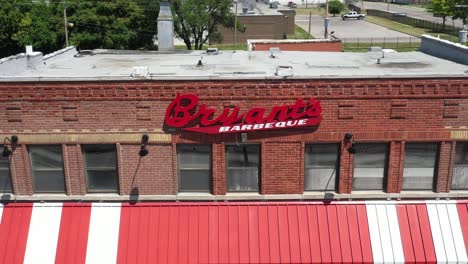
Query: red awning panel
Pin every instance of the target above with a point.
(234, 232)
(246, 233)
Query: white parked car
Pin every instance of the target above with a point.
(353, 14)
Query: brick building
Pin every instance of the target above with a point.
(262, 23)
(369, 126)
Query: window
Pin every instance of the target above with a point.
(419, 166)
(460, 168)
(47, 168)
(321, 167)
(370, 163)
(194, 168)
(5, 178)
(101, 168)
(243, 163)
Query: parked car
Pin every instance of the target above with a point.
(291, 4)
(353, 14)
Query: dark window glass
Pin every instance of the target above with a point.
(5, 177)
(47, 168)
(194, 168)
(460, 168)
(101, 168)
(243, 167)
(419, 166)
(321, 167)
(370, 162)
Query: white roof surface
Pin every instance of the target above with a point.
(119, 65)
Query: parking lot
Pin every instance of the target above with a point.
(351, 29)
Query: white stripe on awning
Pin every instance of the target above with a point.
(43, 233)
(374, 233)
(457, 233)
(103, 233)
(437, 237)
(446, 233)
(385, 238)
(1, 213)
(394, 226)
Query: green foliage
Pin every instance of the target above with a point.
(197, 20)
(112, 24)
(105, 24)
(26, 23)
(460, 12)
(442, 8)
(40, 28)
(335, 7)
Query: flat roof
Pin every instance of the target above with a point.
(182, 65)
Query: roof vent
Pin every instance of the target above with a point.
(140, 72)
(274, 52)
(212, 51)
(284, 71)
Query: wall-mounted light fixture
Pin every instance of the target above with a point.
(13, 142)
(144, 141)
(349, 139)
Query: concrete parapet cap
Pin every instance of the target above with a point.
(309, 196)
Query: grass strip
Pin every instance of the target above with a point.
(407, 29)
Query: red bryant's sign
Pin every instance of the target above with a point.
(182, 112)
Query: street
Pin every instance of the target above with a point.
(351, 29)
(410, 11)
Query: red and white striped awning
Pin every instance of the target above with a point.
(240, 232)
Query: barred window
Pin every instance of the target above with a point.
(101, 168)
(419, 166)
(194, 168)
(5, 177)
(460, 168)
(321, 166)
(47, 168)
(370, 163)
(243, 168)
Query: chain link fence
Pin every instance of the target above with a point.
(412, 21)
(397, 43)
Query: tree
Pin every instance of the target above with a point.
(27, 23)
(197, 20)
(460, 10)
(441, 8)
(107, 24)
(335, 7)
(149, 25)
(41, 28)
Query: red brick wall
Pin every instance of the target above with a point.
(259, 27)
(384, 110)
(307, 46)
(155, 171)
(281, 171)
(395, 166)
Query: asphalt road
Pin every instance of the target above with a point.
(352, 29)
(410, 11)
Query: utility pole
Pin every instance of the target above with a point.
(65, 23)
(327, 19)
(310, 18)
(235, 27)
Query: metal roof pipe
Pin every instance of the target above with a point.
(165, 27)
